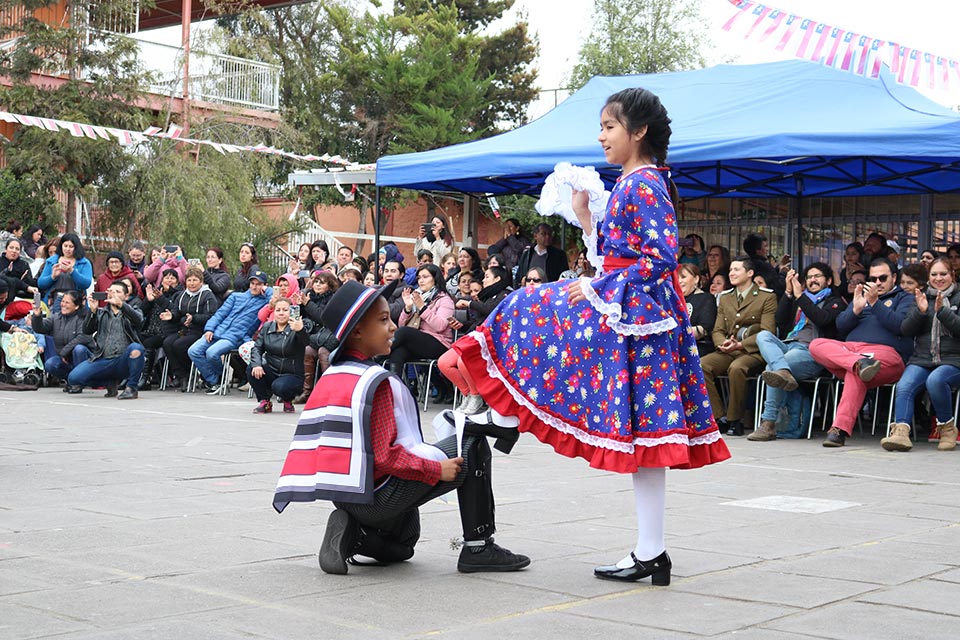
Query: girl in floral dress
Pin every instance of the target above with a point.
(606, 369)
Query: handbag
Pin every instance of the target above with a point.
(413, 321)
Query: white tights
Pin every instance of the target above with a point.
(650, 495)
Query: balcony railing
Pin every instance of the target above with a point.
(214, 77)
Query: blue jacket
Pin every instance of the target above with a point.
(880, 324)
(82, 274)
(237, 319)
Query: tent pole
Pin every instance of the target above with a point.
(376, 222)
(798, 259)
(925, 230)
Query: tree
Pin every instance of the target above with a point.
(641, 36)
(22, 199)
(99, 80)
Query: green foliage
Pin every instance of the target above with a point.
(100, 82)
(639, 37)
(21, 198)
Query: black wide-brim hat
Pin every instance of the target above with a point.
(347, 306)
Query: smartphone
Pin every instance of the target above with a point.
(194, 262)
(685, 242)
(36, 299)
(99, 295)
(427, 227)
(295, 312)
(170, 248)
(303, 273)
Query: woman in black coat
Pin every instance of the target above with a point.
(316, 358)
(215, 276)
(276, 359)
(701, 307)
(190, 310)
(496, 287)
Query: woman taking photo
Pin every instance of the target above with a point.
(66, 343)
(248, 264)
(935, 363)
(190, 310)
(434, 237)
(424, 329)
(276, 360)
(116, 269)
(216, 276)
(66, 270)
(496, 287)
(701, 307)
(606, 369)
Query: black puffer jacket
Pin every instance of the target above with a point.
(920, 325)
(280, 351)
(200, 307)
(66, 330)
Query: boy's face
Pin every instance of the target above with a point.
(373, 335)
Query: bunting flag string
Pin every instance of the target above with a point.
(126, 137)
(840, 48)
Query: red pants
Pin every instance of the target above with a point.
(839, 358)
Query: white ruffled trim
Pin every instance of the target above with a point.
(614, 313)
(556, 196)
(586, 438)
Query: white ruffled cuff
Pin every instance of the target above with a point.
(556, 196)
(614, 313)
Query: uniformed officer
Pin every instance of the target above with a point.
(742, 312)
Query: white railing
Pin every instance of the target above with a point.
(214, 77)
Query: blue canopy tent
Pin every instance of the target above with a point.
(767, 130)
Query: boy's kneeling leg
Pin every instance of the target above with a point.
(339, 542)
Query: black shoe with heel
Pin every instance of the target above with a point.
(658, 569)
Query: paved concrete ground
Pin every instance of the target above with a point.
(152, 519)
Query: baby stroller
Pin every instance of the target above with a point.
(20, 360)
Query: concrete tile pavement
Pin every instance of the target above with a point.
(152, 519)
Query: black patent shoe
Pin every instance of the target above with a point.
(491, 424)
(730, 428)
(658, 569)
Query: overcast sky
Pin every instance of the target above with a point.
(928, 25)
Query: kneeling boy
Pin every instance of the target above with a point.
(358, 443)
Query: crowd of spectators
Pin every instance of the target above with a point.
(871, 322)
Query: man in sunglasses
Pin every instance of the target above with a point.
(873, 351)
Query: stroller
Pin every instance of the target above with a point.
(20, 360)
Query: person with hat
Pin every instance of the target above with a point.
(232, 325)
(359, 444)
(115, 270)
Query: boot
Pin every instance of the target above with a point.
(948, 435)
(309, 375)
(767, 431)
(898, 438)
(149, 356)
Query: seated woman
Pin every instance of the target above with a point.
(316, 358)
(32, 240)
(190, 310)
(935, 363)
(582, 268)
(468, 261)
(40, 259)
(496, 287)
(16, 269)
(215, 276)
(154, 272)
(319, 256)
(718, 261)
(914, 277)
(276, 360)
(719, 283)
(66, 344)
(158, 322)
(425, 332)
(701, 307)
(248, 264)
(115, 270)
(66, 270)
(535, 277)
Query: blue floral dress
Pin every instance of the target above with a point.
(614, 379)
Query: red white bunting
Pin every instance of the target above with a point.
(839, 48)
(126, 137)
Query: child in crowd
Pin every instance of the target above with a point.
(359, 444)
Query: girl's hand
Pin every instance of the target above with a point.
(575, 293)
(581, 207)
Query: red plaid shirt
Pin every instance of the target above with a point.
(389, 458)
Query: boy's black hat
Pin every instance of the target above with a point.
(347, 306)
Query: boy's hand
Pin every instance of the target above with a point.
(450, 468)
